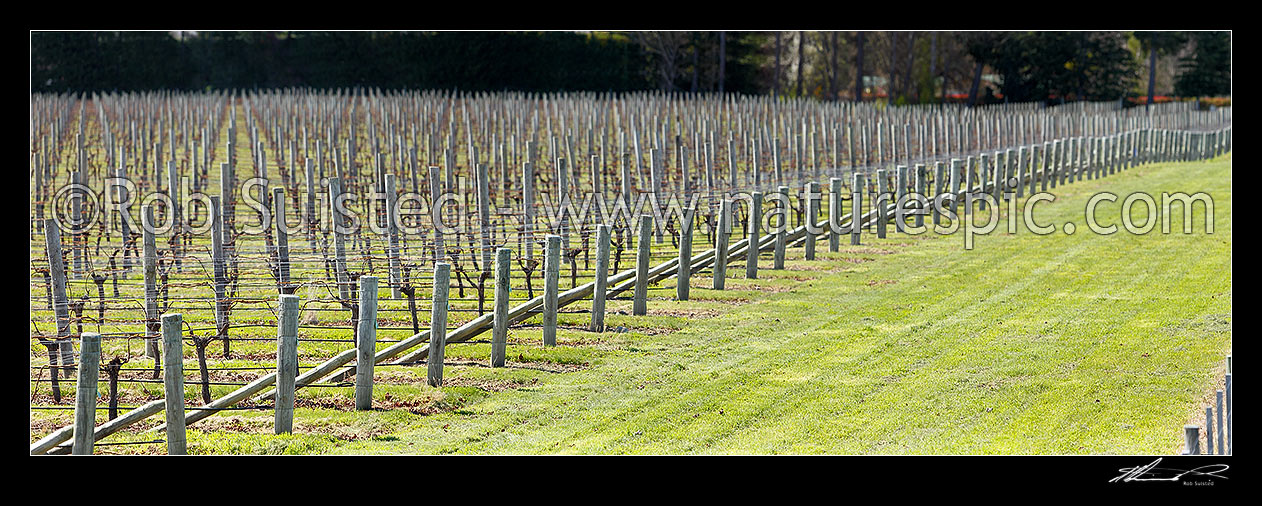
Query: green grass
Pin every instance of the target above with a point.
(1027, 344)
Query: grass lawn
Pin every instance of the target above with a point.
(1026, 344)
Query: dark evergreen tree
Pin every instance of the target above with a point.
(1207, 72)
(1046, 65)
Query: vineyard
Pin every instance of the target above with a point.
(196, 255)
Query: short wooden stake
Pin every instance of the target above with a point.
(720, 243)
(856, 208)
(684, 270)
(1227, 387)
(1191, 440)
(1218, 418)
(1209, 431)
(602, 279)
(755, 228)
(834, 214)
(551, 275)
(438, 316)
(922, 189)
(286, 363)
(173, 382)
(639, 304)
(882, 202)
(783, 232)
(85, 394)
(367, 345)
(812, 217)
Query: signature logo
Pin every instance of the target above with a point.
(1151, 472)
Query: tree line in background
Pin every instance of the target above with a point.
(898, 67)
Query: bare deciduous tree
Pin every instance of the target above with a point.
(722, 58)
(858, 75)
(801, 62)
(775, 79)
(667, 50)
